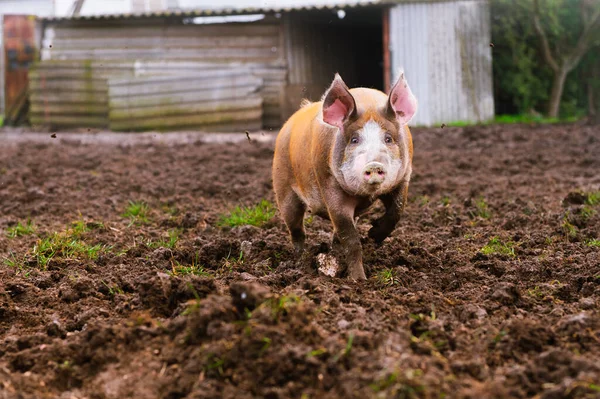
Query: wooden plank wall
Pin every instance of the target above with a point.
(72, 93)
(135, 96)
(128, 64)
(226, 99)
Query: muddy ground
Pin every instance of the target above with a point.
(489, 287)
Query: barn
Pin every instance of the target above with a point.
(249, 68)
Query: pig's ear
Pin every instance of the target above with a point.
(338, 103)
(402, 104)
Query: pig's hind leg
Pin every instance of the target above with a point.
(292, 210)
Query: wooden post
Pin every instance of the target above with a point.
(386, 50)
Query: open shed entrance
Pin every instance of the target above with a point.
(320, 43)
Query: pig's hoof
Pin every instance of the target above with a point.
(377, 235)
(357, 275)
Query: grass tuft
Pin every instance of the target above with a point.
(21, 229)
(568, 228)
(254, 216)
(593, 243)
(481, 209)
(496, 247)
(136, 212)
(171, 243)
(593, 198)
(387, 277)
(66, 245)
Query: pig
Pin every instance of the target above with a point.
(336, 157)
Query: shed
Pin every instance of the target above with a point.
(294, 52)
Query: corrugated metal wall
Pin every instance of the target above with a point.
(444, 50)
(255, 45)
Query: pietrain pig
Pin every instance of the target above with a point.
(336, 157)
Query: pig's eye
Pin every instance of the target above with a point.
(388, 139)
(354, 140)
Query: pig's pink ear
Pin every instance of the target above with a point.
(338, 103)
(402, 104)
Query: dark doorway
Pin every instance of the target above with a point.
(320, 43)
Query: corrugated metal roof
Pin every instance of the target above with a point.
(220, 12)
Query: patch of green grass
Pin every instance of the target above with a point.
(66, 245)
(309, 220)
(254, 216)
(593, 243)
(481, 209)
(405, 385)
(21, 229)
(498, 337)
(387, 277)
(525, 118)
(231, 262)
(423, 200)
(569, 230)
(317, 352)
(173, 237)
(495, 246)
(170, 209)
(136, 212)
(216, 363)
(16, 262)
(349, 344)
(536, 292)
(113, 289)
(195, 270)
(281, 305)
(514, 119)
(593, 198)
(587, 212)
(445, 200)
(266, 345)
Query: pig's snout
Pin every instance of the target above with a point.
(374, 173)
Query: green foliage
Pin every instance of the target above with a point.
(136, 212)
(495, 246)
(593, 243)
(68, 244)
(569, 230)
(15, 262)
(387, 277)
(173, 237)
(405, 384)
(522, 78)
(194, 269)
(255, 216)
(593, 198)
(65, 246)
(21, 229)
(481, 209)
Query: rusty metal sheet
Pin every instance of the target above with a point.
(19, 53)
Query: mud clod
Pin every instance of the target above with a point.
(247, 296)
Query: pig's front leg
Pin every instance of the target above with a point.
(346, 240)
(394, 203)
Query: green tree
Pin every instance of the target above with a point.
(524, 81)
(565, 38)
